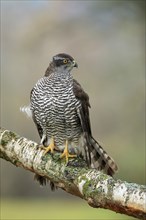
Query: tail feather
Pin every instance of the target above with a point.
(100, 159)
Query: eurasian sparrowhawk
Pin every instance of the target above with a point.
(60, 110)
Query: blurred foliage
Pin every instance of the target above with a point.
(107, 39)
(60, 209)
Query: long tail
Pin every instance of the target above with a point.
(99, 159)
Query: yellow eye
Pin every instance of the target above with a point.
(65, 61)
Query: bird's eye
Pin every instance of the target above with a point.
(65, 61)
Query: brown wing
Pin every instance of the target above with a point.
(94, 154)
(83, 97)
(84, 111)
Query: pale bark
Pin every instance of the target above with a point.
(98, 189)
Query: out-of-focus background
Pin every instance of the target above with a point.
(107, 39)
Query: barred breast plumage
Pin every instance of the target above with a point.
(54, 106)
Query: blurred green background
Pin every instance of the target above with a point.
(107, 39)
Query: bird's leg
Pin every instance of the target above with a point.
(66, 152)
(51, 146)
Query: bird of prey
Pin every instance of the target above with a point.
(60, 110)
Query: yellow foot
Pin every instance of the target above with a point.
(66, 153)
(51, 147)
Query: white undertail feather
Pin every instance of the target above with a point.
(27, 111)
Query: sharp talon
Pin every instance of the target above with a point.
(42, 147)
(66, 153)
(50, 148)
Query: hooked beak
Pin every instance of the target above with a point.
(75, 64)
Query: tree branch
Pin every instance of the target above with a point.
(100, 190)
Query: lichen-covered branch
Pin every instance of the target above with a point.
(98, 189)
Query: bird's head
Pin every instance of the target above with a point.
(61, 63)
(64, 61)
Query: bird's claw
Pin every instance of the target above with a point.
(66, 153)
